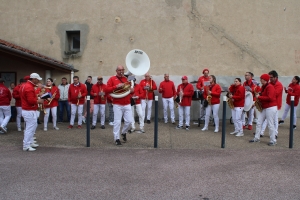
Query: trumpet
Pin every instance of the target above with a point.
(53, 96)
(78, 97)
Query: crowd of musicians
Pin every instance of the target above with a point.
(125, 97)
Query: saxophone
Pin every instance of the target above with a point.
(208, 98)
(257, 103)
(229, 101)
(102, 96)
(79, 95)
(53, 96)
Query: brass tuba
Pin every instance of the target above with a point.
(138, 63)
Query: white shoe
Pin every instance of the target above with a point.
(111, 123)
(83, 120)
(3, 129)
(34, 145)
(166, 122)
(216, 130)
(132, 130)
(19, 129)
(204, 128)
(29, 149)
(234, 132)
(45, 129)
(34, 138)
(142, 131)
(56, 128)
(34, 142)
(240, 134)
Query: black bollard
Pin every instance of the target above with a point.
(88, 121)
(156, 122)
(224, 122)
(291, 122)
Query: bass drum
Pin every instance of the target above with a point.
(198, 95)
(248, 101)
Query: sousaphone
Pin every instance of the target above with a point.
(248, 101)
(138, 64)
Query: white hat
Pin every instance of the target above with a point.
(35, 75)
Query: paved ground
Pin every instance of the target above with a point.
(186, 165)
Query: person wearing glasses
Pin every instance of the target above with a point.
(122, 106)
(99, 96)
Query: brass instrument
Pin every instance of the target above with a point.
(229, 101)
(53, 96)
(208, 98)
(78, 97)
(102, 96)
(257, 103)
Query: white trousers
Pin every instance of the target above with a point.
(215, 109)
(149, 108)
(19, 115)
(97, 108)
(30, 119)
(168, 102)
(186, 111)
(250, 117)
(287, 108)
(73, 113)
(120, 111)
(268, 115)
(5, 114)
(264, 125)
(54, 116)
(236, 113)
(139, 111)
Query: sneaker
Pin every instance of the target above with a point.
(173, 122)
(148, 121)
(56, 128)
(132, 130)
(79, 126)
(216, 130)
(3, 129)
(124, 137)
(179, 127)
(272, 143)
(244, 127)
(254, 140)
(204, 129)
(280, 122)
(1, 132)
(111, 123)
(239, 134)
(294, 127)
(249, 127)
(255, 120)
(34, 145)
(34, 138)
(19, 129)
(70, 126)
(118, 143)
(142, 131)
(166, 122)
(102, 127)
(234, 132)
(29, 149)
(83, 120)
(93, 127)
(45, 129)
(187, 128)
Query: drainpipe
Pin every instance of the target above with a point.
(72, 75)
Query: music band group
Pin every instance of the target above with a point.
(124, 96)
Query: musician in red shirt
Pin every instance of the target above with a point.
(136, 97)
(214, 91)
(292, 90)
(237, 94)
(268, 101)
(200, 86)
(148, 86)
(185, 92)
(5, 112)
(76, 97)
(30, 103)
(121, 106)
(51, 104)
(168, 93)
(16, 96)
(97, 91)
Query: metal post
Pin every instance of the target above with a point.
(88, 121)
(224, 122)
(156, 122)
(291, 122)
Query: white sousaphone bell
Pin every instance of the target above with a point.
(248, 101)
(138, 64)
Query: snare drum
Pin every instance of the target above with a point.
(198, 95)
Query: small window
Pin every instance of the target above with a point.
(73, 41)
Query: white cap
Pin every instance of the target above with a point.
(35, 75)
